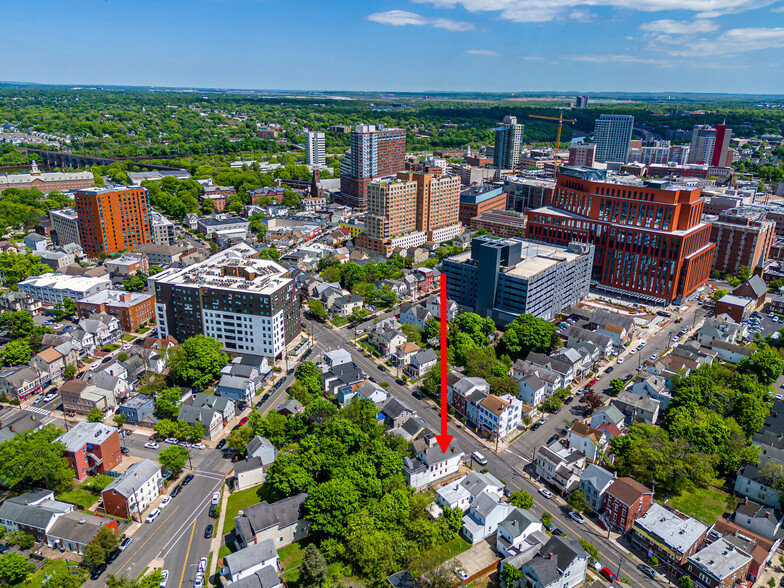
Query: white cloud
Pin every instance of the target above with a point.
(621, 58)
(675, 27)
(485, 52)
(401, 18)
(547, 10)
(777, 9)
(730, 42)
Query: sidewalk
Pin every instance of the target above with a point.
(217, 537)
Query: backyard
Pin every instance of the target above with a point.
(241, 499)
(704, 504)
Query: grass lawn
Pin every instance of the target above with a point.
(142, 329)
(110, 347)
(224, 551)
(704, 504)
(80, 496)
(239, 500)
(292, 576)
(452, 548)
(339, 321)
(49, 568)
(128, 338)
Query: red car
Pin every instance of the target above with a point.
(608, 574)
(243, 420)
(592, 382)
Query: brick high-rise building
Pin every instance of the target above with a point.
(477, 199)
(743, 236)
(582, 154)
(721, 147)
(649, 236)
(375, 152)
(114, 219)
(437, 203)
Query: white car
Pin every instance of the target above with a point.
(164, 578)
(654, 357)
(462, 574)
(675, 339)
(203, 564)
(198, 581)
(779, 396)
(546, 493)
(37, 400)
(166, 500)
(215, 497)
(199, 446)
(620, 360)
(151, 445)
(171, 441)
(632, 352)
(49, 397)
(642, 344)
(577, 518)
(152, 516)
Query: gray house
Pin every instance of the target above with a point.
(137, 408)
(594, 481)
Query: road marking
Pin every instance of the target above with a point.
(187, 553)
(153, 533)
(195, 513)
(38, 410)
(206, 474)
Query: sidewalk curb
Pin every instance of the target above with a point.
(217, 538)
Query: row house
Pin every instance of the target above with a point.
(430, 464)
(591, 442)
(134, 490)
(626, 501)
(560, 466)
(721, 564)
(483, 517)
(668, 535)
(34, 512)
(594, 482)
(21, 381)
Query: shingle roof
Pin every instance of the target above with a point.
(282, 513)
(134, 477)
(250, 556)
(266, 577)
(628, 490)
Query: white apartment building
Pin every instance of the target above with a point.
(53, 288)
(162, 229)
(65, 226)
(315, 148)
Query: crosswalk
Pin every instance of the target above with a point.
(38, 410)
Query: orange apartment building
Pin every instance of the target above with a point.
(132, 309)
(112, 220)
(649, 237)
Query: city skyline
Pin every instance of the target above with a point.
(645, 46)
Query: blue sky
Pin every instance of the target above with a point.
(400, 45)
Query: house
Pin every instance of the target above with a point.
(626, 500)
(460, 390)
(281, 522)
(552, 380)
(137, 408)
(249, 472)
(762, 520)
(754, 288)
(405, 352)
(563, 368)
(421, 363)
(340, 376)
(337, 357)
(594, 481)
(75, 530)
(499, 416)
(718, 328)
(608, 414)
(560, 466)
(580, 363)
(374, 392)
(15, 301)
(291, 406)
(262, 447)
(519, 532)
(483, 517)
(463, 492)
(762, 549)
(430, 464)
(720, 564)
(395, 412)
(560, 563)
(752, 483)
(654, 387)
(35, 242)
(84, 341)
(49, 361)
(236, 388)
(21, 381)
(412, 314)
(731, 352)
(103, 331)
(588, 440)
(246, 562)
(214, 412)
(134, 490)
(637, 408)
(345, 305)
(264, 578)
(533, 390)
(34, 512)
(576, 335)
(668, 535)
(91, 449)
(433, 306)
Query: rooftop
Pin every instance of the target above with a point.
(675, 532)
(85, 434)
(118, 298)
(720, 559)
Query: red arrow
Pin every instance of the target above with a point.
(443, 439)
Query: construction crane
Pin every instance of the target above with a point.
(561, 120)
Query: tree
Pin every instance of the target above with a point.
(743, 273)
(480, 362)
(18, 323)
(17, 353)
(511, 576)
(617, 385)
(69, 372)
(173, 458)
(412, 333)
(197, 432)
(33, 458)
(14, 567)
(454, 519)
(547, 519)
(578, 502)
(750, 413)
(718, 294)
(95, 415)
(521, 499)
(122, 356)
(525, 334)
(168, 402)
(102, 545)
(432, 329)
(20, 538)
(65, 579)
(155, 269)
(69, 306)
(552, 404)
(590, 549)
(591, 399)
(309, 375)
(503, 386)
(313, 569)
(15, 268)
(316, 308)
(685, 582)
(198, 362)
(766, 364)
(135, 282)
(119, 419)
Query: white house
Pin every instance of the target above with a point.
(484, 516)
(431, 464)
(592, 442)
(500, 415)
(248, 561)
(411, 314)
(519, 532)
(463, 492)
(533, 390)
(421, 363)
(560, 466)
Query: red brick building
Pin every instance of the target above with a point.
(478, 199)
(626, 501)
(743, 236)
(92, 448)
(649, 237)
(132, 309)
(112, 220)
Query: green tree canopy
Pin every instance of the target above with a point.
(198, 361)
(173, 458)
(33, 458)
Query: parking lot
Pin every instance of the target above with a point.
(764, 324)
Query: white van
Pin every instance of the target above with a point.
(479, 458)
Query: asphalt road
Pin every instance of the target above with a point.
(507, 465)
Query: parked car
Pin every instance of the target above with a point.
(112, 556)
(221, 444)
(125, 543)
(647, 570)
(215, 497)
(577, 517)
(243, 420)
(479, 458)
(461, 573)
(176, 491)
(546, 493)
(202, 564)
(96, 573)
(166, 500)
(557, 532)
(152, 516)
(208, 531)
(164, 578)
(151, 445)
(125, 451)
(187, 479)
(608, 574)
(199, 446)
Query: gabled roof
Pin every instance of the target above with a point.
(134, 477)
(264, 515)
(628, 490)
(613, 413)
(251, 556)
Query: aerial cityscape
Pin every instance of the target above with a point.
(428, 294)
